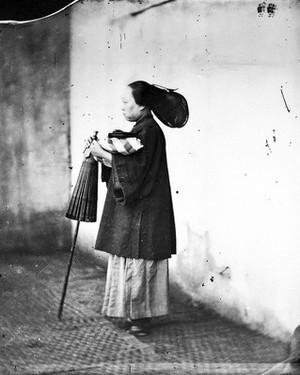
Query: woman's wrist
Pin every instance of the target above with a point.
(106, 156)
(99, 151)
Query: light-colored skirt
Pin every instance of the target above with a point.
(136, 288)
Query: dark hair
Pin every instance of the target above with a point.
(169, 107)
(141, 91)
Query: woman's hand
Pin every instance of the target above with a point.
(87, 143)
(97, 150)
(99, 153)
(89, 140)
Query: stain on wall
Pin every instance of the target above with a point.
(34, 135)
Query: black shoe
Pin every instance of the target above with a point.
(137, 331)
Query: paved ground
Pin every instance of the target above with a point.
(190, 341)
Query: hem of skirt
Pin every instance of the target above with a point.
(135, 316)
(136, 257)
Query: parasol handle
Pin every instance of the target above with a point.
(94, 138)
(95, 135)
(68, 272)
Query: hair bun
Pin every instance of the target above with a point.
(169, 107)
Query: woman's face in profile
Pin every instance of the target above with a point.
(131, 110)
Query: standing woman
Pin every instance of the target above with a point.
(137, 227)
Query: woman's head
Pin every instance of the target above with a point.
(136, 100)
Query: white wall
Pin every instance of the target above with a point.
(237, 202)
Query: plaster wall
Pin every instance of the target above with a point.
(235, 166)
(34, 136)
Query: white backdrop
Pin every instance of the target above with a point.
(235, 167)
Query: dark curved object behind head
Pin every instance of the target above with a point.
(169, 107)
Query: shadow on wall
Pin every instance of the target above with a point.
(36, 233)
(198, 274)
(34, 135)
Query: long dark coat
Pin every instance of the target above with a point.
(138, 218)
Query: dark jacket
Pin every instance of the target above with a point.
(138, 218)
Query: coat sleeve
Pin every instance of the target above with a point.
(135, 175)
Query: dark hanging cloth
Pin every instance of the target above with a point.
(105, 173)
(138, 219)
(30, 10)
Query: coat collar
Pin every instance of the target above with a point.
(148, 115)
